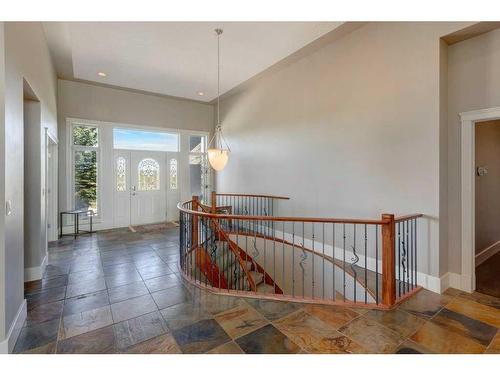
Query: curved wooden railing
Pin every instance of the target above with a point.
(250, 251)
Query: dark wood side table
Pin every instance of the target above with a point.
(76, 220)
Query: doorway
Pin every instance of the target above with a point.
(473, 177)
(487, 207)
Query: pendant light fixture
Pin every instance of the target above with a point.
(218, 154)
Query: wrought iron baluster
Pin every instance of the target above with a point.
(366, 261)
(323, 264)
(399, 259)
(293, 259)
(376, 264)
(354, 261)
(343, 263)
(334, 289)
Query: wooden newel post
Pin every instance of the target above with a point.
(213, 202)
(194, 226)
(388, 261)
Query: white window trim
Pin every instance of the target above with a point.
(70, 164)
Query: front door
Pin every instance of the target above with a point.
(173, 188)
(148, 190)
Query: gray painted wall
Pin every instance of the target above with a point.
(350, 130)
(26, 57)
(473, 83)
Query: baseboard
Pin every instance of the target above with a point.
(35, 273)
(487, 253)
(456, 281)
(7, 345)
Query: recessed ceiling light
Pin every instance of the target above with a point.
(101, 74)
(201, 93)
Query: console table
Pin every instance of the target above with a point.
(76, 220)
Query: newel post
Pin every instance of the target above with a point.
(388, 261)
(213, 202)
(194, 226)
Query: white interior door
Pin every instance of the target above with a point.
(122, 193)
(148, 192)
(173, 185)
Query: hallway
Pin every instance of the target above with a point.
(120, 292)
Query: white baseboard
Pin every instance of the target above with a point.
(456, 281)
(35, 273)
(7, 345)
(487, 253)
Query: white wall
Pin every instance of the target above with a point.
(350, 130)
(35, 239)
(26, 57)
(110, 105)
(473, 83)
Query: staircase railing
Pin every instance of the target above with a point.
(238, 245)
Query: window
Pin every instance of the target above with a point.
(85, 147)
(173, 174)
(121, 177)
(131, 139)
(149, 175)
(198, 167)
(197, 143)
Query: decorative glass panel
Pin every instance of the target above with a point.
(121, 177)
(173, 174)
(86, 180)
(131, 139)
(85, 136)
(149, 175)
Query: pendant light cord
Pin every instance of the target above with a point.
(218, 137)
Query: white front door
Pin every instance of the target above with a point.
(148, 190)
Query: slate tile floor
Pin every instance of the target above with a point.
(120, 292)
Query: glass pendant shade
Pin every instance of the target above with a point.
(218, 158)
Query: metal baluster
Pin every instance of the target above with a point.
(302, 259)
(366, 261)
(407, 257)
(343, 264)
(354, 262)
(283, 258)
(411, 252)
(313, 259)
(376, 264)
(416, 253)
(293, 258)
(399, 259)
(333, 263)
(274, 258)
(323, 264)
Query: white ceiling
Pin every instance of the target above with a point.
(175, 58)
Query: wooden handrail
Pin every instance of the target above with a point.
(280, 218)
(408, 217)
(251, 195)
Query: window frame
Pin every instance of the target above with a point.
(70, 165)
(204, 154)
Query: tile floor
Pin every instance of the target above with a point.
(120, 292)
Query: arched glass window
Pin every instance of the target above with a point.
(121, 177)
(149, 175)
(173, 174)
